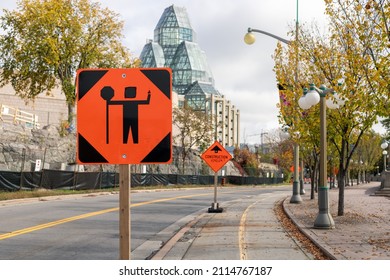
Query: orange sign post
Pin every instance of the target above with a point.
(124, 116)
(216, 156)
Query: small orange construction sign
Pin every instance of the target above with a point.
(292, 168)
(216, 156)
(124, 116)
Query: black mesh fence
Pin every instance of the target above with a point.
(55, 179)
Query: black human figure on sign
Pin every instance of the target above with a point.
(130, 111)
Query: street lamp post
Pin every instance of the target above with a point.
(296, 197)
(384, 153)
(249, 39)
(324, 219)
(384, 146)
(301, 182)
(360, 174)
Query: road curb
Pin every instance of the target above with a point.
(167, 247)
(302, 229)
(192, 220)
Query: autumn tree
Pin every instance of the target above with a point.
(247, 160)
(194, 130)
(346, 54)
(367, 154)
(283, 154)
(44, 42)
(302, 127)
(386, 125)
(367, 24)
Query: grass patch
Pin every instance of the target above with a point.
(4, 195)
(43, 193)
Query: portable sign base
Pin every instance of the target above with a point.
(216, 157)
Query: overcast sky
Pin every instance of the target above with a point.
(243, 73)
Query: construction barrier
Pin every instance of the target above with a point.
(16, 116)
(57, 179)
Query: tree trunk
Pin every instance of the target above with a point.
(317, 176)
(72, 117)
(341, 183)
(312, 183)
(184, 156)
(343, 171)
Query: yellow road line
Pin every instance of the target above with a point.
(87, 215)
(241, 233)
(55, 223)
(242, 228)
(166, 199)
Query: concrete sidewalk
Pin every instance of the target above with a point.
(362, 233)
(249, 229)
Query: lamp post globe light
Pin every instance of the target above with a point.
(324, 219)
(302, 101)
(249, 38)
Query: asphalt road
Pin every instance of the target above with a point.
(87, 227)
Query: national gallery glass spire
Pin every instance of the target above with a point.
(175, 46)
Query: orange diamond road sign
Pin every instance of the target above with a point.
(124, 116)
(216, 156)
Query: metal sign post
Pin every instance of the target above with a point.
(215, 205)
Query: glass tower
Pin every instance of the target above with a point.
(175, 46)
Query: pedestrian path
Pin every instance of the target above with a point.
(249, 229)
(246, 229)
(265, 238)
(362, 233)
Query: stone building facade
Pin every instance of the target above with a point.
(50, 109)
